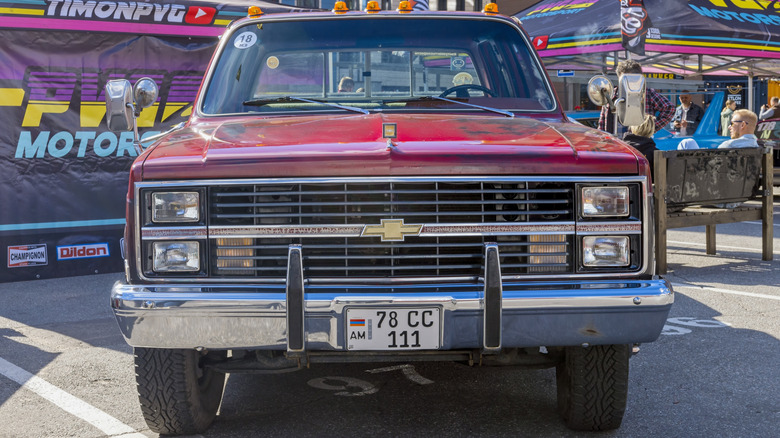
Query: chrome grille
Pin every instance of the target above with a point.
(354, 203)
(354, 258)
(348, 203)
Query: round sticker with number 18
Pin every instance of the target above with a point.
(245, 40)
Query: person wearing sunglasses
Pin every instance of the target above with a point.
(742, 129)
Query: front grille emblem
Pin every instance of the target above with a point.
(392, 230)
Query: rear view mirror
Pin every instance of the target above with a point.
(119, 105)
(631, 100)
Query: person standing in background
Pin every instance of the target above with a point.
(687, 116)
(725, 117)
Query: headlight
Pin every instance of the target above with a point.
(604, 201)
(176, 256)
(600, 251)
(175, 207)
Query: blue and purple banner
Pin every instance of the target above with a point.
(740, 28)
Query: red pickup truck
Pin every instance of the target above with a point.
(442, 208)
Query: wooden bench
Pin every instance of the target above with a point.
(690, 183)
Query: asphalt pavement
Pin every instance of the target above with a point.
(65, 370)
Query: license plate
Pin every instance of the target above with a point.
(393, 328)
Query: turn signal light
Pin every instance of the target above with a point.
(340, 8)
(373, 7)
(404, 7)
(255, 11)
(490, 9)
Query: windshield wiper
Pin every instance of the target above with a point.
(444, 99)
(284, 99)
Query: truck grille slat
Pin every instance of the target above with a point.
(359, 204)
(385, 214)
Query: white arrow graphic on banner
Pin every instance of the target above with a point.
(200, 13)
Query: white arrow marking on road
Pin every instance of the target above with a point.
(408, 371)
(760, 223)
(68, 403)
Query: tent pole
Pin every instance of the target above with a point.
(750, 90)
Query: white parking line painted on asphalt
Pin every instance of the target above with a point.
(760, 223)
(742, 248)
(726, 291)
(67, 402)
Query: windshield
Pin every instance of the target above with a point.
(375, 64)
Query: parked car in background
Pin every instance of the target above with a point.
(587, 118)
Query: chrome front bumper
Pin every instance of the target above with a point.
(474, 316)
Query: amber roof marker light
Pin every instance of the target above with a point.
(490, 9)
(254, 12)
(404, 7)
(340, 8)
(373, 7)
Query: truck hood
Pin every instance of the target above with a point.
(353, 145)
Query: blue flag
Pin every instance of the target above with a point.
(420, 5)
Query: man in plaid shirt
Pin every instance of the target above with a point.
(655, 104)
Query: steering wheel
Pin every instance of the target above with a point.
(465, 88)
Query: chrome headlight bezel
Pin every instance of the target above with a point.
(171, 230)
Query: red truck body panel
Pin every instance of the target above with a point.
(352, 145)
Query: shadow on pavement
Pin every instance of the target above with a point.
(75, 307)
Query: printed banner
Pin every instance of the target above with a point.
(158, 17)
(63, 175)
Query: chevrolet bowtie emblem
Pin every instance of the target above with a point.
(392, 229)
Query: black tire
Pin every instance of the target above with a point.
(178, 396)
(593, 386)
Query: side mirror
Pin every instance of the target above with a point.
(119, 105)
(631, 100)
(600, 90)
(145, 92)
(124, 103)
